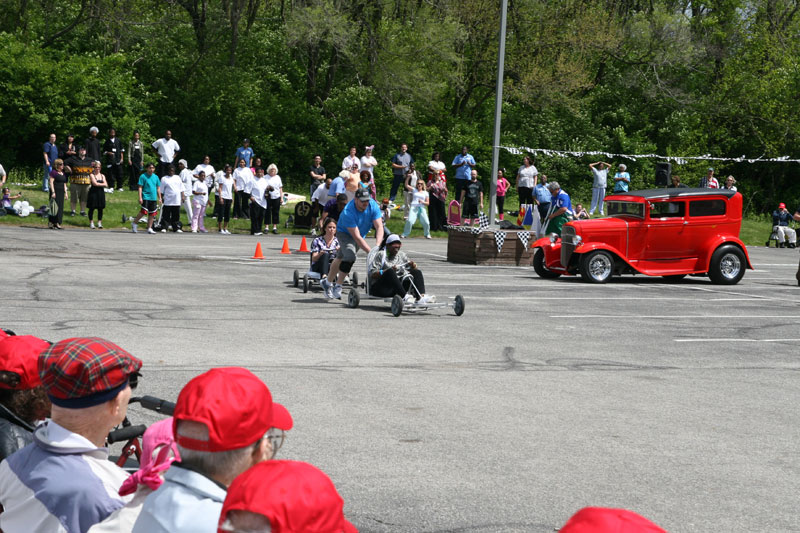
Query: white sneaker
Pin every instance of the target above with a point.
(428, 237)
(100, 225)
(91, 225)
(179, 231)
(337, 291)
(133, 227)
(120, 189)
(163, 230)
(408, 298)
(428, 299)
(194, 231)
(258, 233)
(151, 230)
(327, 287)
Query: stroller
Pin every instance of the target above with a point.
(397, 303)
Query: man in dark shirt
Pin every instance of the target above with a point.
(114, 151)
(317, 173)
(472, 196)
(93, 144)
(400, 163)
(78, 168)
(334, 207)
(676, 183)
(68, 149)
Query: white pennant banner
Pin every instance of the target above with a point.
(681, 160)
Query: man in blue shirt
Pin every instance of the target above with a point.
(149, 197)
(463, 163)
(400, 163)
(358, 217)
(542, 197)
(560, 210)
(50, 153)
(622, 180)
(244, 152)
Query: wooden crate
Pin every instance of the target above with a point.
(481, 249)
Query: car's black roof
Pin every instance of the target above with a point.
(672, 192)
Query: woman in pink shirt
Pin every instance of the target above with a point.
(502, 187)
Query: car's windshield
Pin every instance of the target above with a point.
(631, 209)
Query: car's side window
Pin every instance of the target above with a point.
(707, 208)
(667, 209)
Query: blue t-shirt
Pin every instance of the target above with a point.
(562, 200)
(464, 172)
(337, 186)
(244, 153)
(622, 185)
(51, 150)
(542, 194)
(149, 185)
(401, 159)
(351, 217)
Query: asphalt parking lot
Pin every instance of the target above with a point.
(678, 401)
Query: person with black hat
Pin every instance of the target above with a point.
(389, 269)
(64, 481)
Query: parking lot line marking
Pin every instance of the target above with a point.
(684, 317)
(734, 340)
(624, 298)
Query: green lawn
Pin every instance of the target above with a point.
(755, 230)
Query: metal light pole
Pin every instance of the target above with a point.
(498, 111)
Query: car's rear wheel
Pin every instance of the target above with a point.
(674, 278)
(727, 265)
(597, 266)
(540, 268)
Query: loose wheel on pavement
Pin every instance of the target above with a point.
(353, 298)
(305, 282)
(539, 266)
(296, 278)
(458, 305)
(727, 265)
(597, 266)
(397, 305)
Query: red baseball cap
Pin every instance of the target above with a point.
(19, 355)
(604, 520)
(295, 497)
(85, 371)
(235, 406)
(781, 205)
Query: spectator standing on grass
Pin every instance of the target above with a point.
(115, 155)
(227, 188)
(50, 154)
(166, 147)
(210, 175)
(709, 181)
(502, 188)
(622, 180)
(412, 177)
(400, 163)
(68, 149)
(135, 159)
(318, 201)
(3, 176)
(560, 210)
(317, 173)
(599, 184)
(187, 178)
(58, 191)
(730, 184)
(438, 199)
(368, 163)
(464, 164)
(274, 192)
(97, 195)
(258, 202)
(64, 481)
(244, 152)
(149, 198)
(436, 167)
(93, 146)
(225, 422)
(199, 203)
(542, 197)
(526, 181)
(676, 183)
(420, 200)
(172, 196)
(472, 198)
(351, 160)
(242, 177)
(79, 168)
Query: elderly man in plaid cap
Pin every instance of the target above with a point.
(63, 481)
(224, 422)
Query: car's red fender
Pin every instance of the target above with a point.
(552, 252)
(719, 241)
(586, 247)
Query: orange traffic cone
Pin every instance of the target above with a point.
(303, 246)
(259, 254)
(285, 249)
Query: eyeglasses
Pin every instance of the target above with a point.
(275, 437)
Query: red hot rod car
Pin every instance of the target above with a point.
(657, 232)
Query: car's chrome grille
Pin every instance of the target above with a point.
(567, 244)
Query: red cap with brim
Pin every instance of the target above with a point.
(295, 497)
(604, 520)
(19, 355)
(781, 206)
(235, 406)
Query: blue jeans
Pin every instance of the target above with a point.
(46, 180)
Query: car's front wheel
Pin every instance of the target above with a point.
(540, 268)
(597, 266)
(727, 265)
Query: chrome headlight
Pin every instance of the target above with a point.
(553, 238)
(577, 239)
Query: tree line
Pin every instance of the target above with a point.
(300, 77)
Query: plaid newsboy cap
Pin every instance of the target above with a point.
(85, 371)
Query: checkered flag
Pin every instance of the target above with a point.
(483, 222)
(499, 239)
(524, 237)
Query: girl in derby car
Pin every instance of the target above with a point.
(389, 267)
(324, 248)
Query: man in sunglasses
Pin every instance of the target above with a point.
(64, 481)
(224, 422)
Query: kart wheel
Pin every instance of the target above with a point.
(353, 299)
(597, 266)
(673, 279)
(296, 279)
(458, 305)
(727, 265)
(539, 266)
(397, 305)
(354, 279)
(305, 282)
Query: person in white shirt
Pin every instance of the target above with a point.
(599, 184)
(242, 177)
(166, 147)
(172, 196)
(199, 203)
(420, 199)
(258, 202)
(526, 181)
(206, 167)
(187, 178)
(368, 163)
(436, 167)
(227, 188)
(274, 198)
(318, 200)
(350, 160)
